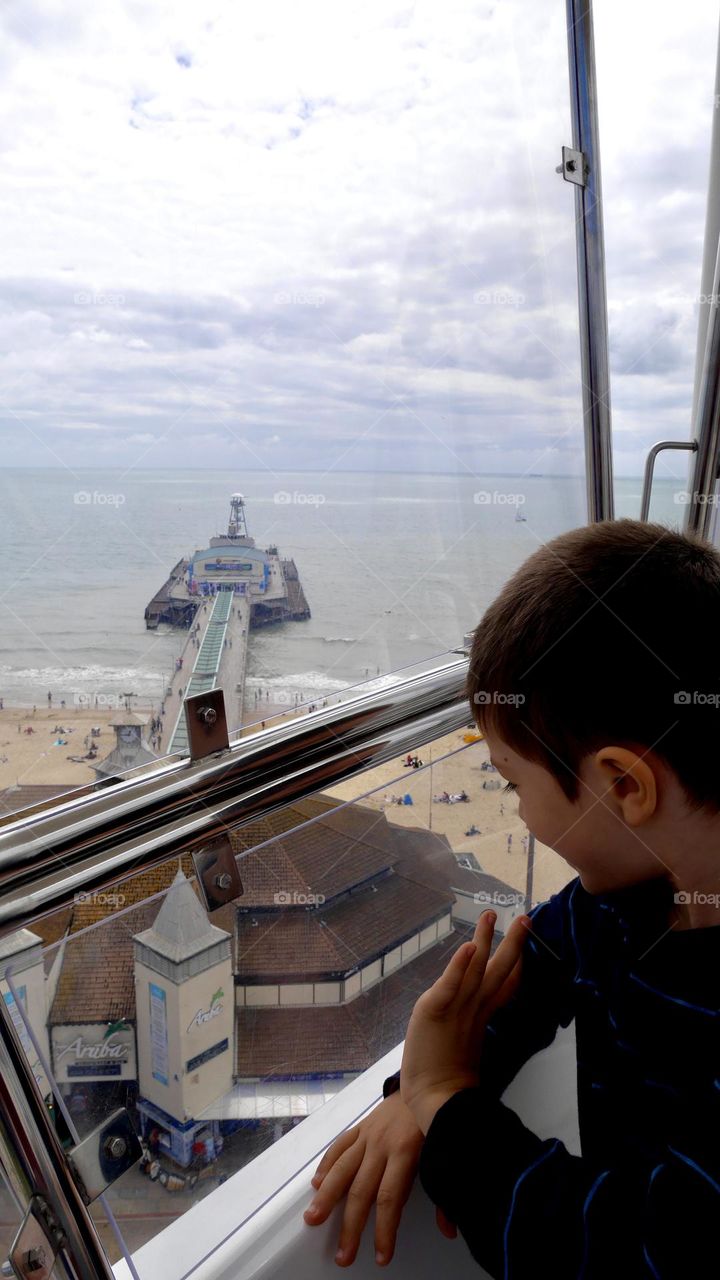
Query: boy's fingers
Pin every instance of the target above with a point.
(442, 993)
(339, 1146)
(335, 1184)
(392, 1194)
(360, 1199)
(507, 990)
(505, 958)
(482, 938)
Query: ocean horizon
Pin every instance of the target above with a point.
(396, 567)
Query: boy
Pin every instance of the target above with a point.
(608, 639)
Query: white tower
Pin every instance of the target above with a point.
(237, 525)
(185, 1001)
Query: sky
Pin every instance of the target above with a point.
(330, 234)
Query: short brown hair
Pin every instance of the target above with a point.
(608, 634)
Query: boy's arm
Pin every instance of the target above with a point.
(543, 1002)
(527, 1207)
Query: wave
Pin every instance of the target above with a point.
(301, 682)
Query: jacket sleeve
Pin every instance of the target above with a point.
(526, 1207)
(543, 1002)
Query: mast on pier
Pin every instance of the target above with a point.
(237, 525)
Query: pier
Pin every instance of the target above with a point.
(219, 596)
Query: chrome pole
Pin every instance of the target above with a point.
(699, 511)
(699, 516)
(93, 840)
(594, 361)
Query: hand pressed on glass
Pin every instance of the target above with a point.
(444, 1036)
(375, 1162)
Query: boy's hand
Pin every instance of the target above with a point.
(444, 1035)
(375, 1162)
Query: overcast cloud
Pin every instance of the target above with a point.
(330, 234)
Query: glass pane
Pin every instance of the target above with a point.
(222, 1031)
(654, 230)
(332, 273)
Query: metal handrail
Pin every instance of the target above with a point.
(90, 841)
(690, 445)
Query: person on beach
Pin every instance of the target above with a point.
(603, 647)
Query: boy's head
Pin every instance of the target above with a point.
(595, 677)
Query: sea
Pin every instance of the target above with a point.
(396, 568)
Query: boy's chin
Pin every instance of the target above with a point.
(600, 880)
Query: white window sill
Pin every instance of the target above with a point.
(252, 1226)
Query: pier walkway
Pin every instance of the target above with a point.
(219, 661)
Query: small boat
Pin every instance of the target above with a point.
(519, 516)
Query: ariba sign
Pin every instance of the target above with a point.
(206, 1015)
(107, 1049)
(91, 1051)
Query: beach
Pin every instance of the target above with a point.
(454, 766)
(450, 765)
(32, 758)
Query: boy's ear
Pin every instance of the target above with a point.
(629, 782)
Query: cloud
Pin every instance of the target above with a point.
(336, 231)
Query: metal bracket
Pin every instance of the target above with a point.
(574, 167)
(37, 1243)
(217, 873)
(105, 1155)
(206, 723)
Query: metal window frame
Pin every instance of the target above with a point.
(92, 841)
(590, 243)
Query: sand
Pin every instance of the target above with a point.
(452, 766)
(31, 758)
(493, 812)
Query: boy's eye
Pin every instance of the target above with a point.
(509, 786)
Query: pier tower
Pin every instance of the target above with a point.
(237, 524)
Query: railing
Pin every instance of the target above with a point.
(92, 840)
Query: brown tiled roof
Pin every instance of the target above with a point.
(344, 847)
(293, 945)
(97, 979)
(470, 881)
(424, 856)
(25, 796)
(350, 1037)
(96, 982)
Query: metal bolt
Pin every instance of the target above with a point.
(223, 881)
(116, 1147)
(208, 715)
(35, 1259)
(571, 165)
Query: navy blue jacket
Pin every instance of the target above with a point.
(643, 1200)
